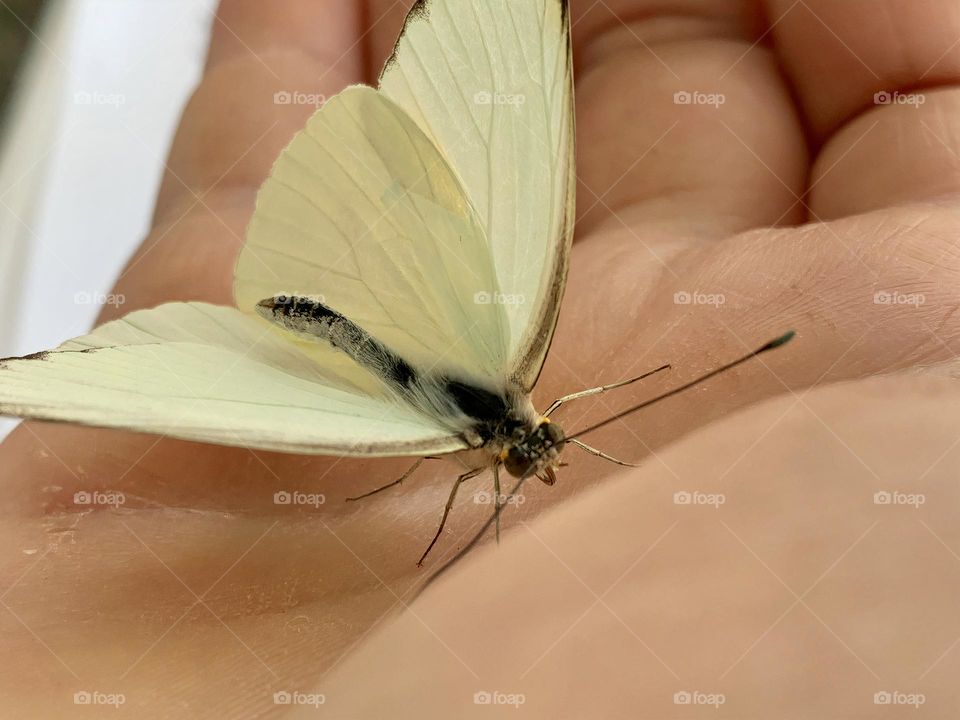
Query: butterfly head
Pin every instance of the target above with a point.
(534, 451)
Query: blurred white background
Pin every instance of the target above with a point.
(82, 148)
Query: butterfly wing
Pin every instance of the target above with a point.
(440, 225)
(490, 82)
(209, 373)
(362, 210)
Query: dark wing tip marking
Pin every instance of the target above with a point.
(42, 355)
(420, 10)
(45, 354)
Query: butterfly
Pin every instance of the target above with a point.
(400, 280)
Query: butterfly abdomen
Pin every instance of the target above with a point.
(483, 413)
(310, 318)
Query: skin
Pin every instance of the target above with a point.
(201, 597)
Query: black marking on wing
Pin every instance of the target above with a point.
(42, 355)
(45, 355)
(420, 10)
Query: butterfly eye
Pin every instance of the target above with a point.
(517, 462)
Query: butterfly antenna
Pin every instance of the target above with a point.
(772, 345)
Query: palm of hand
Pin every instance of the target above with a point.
(676, 202)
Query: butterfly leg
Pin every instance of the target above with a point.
(602, 389)
(594, 451)
(496, 497)
(446, 510)
(399, 480)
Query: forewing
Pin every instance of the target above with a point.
(490, 81)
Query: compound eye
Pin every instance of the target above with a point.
(555, 437)
(517, 463)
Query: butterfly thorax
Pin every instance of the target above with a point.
(505, 426)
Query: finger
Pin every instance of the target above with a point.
(269, 66)
(643, 158)
(877, 82)
(682, 120)
(893, 155)
(856, 312)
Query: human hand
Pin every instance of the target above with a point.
(201, 569)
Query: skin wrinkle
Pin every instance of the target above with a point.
(866, 56)
(608, 41)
